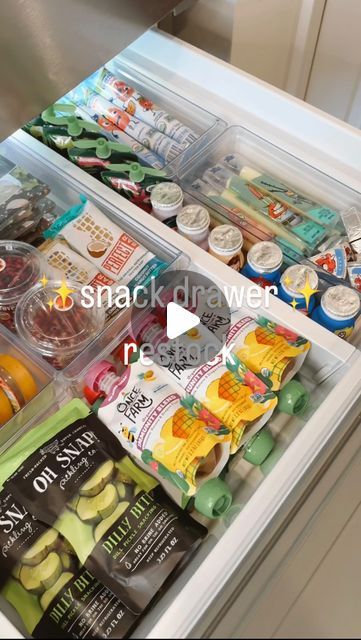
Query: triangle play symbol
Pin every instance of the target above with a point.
(179, 320)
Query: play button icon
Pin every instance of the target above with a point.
(179, 320)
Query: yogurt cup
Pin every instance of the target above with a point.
(264, 261)
(57, 327)
(193, 222)
(225, 243)
(293, 281)
(21, 267)
(166, 199)
(338, 310)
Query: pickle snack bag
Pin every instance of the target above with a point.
(42, 578)
(113, 251)
(76, 477)
(158, 424)
(274, 353)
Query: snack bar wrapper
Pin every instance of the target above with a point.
(136, 104)
(113, 251)
(68, 264)
(274, 353)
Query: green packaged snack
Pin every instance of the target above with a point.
(134, 182)
(75, 476)
(94, 156)
(42, 578)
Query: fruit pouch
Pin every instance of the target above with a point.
(73, 474)
(113, 251)
(274, 353)
(224, 386)
(134, 182)
(174, 434)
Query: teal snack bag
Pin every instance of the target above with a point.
(125, 530)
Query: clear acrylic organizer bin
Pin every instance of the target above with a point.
(42, 373)
(65, 191)
(253, 151)
(206, 125)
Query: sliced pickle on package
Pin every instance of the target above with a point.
(54, 595)
(125, 530)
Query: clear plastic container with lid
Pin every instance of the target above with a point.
(225, 243)
(338, 310)
(21, 267)
(264, 262)
(53, 322)
(193, 222)
(298, 286)
(167, 200)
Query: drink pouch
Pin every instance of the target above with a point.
(154, 140)
(59, 139)
(68, 264)
(224, 386)
(41, 577)
(117, 135)
(133, 182)
(113, 251)
(75, 476)
(88, 159)
(136, 104)
(274, 353)
(175, 435)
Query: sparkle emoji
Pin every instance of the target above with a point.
(307, 291)
(63, 300)
(43, 281)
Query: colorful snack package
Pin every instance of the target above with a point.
(154, 140)
(133, 182)
(114, 133)
(41, 577)
(274, 353)
(354, 274)
(95, 155)
(225, 387)
(136, 104)
(74, 475)
(159, 426)
(113, 251)
(68, 264)
(333, 261)
(299, 203)
(261, 207)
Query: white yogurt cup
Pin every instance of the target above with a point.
(193, 222)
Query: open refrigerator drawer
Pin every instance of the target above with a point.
(261, 498)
